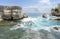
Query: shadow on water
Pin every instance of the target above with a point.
(9, 22)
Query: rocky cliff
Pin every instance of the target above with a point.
(55, 11)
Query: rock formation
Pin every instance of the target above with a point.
(56, 11)
(56, 28)
(23, 15)
(12, 12)
(44, 15)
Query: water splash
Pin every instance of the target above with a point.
(36, 31)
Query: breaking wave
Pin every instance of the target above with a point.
(38, 28)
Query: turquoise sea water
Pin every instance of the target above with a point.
(33, 27)
(34, 14)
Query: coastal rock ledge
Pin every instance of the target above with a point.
(55, 12)
(58, 18)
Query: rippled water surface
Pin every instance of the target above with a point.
(31, 28)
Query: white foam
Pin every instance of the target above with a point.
(38, 27)
(16, 27)
(55, 29)
(28, 19)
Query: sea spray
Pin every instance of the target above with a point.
(36, 31)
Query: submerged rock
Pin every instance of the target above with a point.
(8, 23)
(56, 28)
(1, 19)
